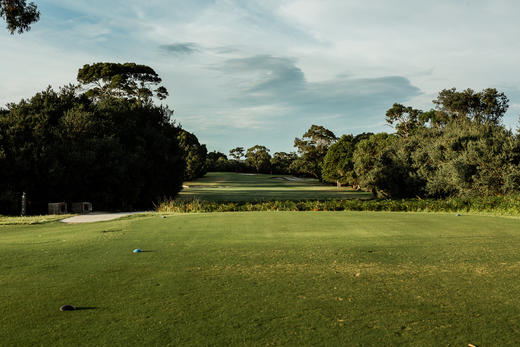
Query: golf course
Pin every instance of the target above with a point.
(262, 278)
(230, 186)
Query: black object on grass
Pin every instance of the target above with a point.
(67, 308)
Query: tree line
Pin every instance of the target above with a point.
(102, 140)
(457, 148)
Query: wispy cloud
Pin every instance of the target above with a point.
(180, 48)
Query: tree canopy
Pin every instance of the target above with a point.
(258, 157)
(237, 153)
(19, 15)
(129, 80)
(312, 148)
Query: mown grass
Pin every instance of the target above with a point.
(264, 278)
(240, 187)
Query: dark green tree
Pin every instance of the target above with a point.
(237, 153)
(194, 154)
(59, 145)
(258, 157)
(19, 15)
(468, 159)
(382, 164)
(338, 165)
(312, 148)
(487, 106)
(281, 162)
(218, 161)
(129, 80)
(404, 119)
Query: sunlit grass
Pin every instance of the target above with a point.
(264, 278)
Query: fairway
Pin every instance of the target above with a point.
(230, 186)
(263, 278)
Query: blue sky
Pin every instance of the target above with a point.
(242, 73)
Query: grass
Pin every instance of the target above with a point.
(264, 278)
(230, 186)
(497, 205)
(11, 220)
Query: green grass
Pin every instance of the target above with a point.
(11, 220)
(264, 278)
(230, 186)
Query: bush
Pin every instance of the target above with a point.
(504, 205)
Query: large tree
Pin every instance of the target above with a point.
(19, 15)
(237, 153)
(194, 154)
(129, 80)
(404, 119)
(486, 106)
(258, 157)
(281, 162)
(62, 146)
(338, 164)
(312, 148)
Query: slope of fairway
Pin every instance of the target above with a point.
(264, 278)
(230, 186)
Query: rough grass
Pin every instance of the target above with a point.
(497, 205)
(264, 278)
(12, 220)
(230, 186)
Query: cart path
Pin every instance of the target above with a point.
(97, 217)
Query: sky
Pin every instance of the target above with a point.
(242, 73)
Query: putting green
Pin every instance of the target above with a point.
(263, 278)
(230, 186)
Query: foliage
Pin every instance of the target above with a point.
(404, 119)
(259, 158)
(338, 164)
(61, 146)
(237, 153)
(194, 155)
(487, 106)
(468, 158)
(19, 15)
(128, 80)
(500, 205)
(383, 164)
(281, 162)
(312, 148)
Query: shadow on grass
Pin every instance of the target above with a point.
(81, 308)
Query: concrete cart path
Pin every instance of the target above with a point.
(97, 217)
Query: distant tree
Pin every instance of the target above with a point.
(218, 161)
(281, 162)
(194, 154)
(129, 80)
(19, 15)
(338, 164)
(487, 106)
(312, 148)
(258, 157)
(237, 153)
(404, 119)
